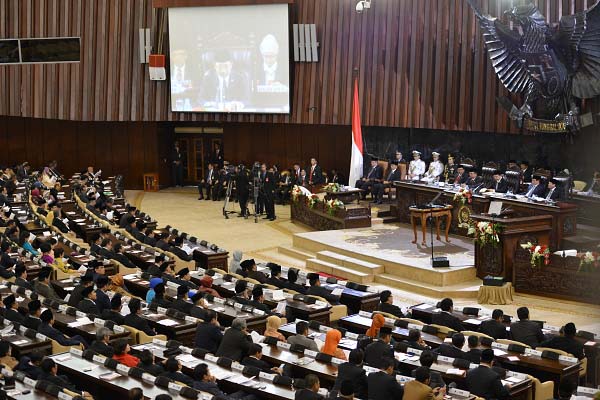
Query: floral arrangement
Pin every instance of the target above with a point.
(333, 187)
(296, 193)
(590, 261)
(464, 196)
(313, 201)
(486, 233)
(538, 253)
(334, 204)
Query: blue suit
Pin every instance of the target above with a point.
(57, 335)
(535, 191)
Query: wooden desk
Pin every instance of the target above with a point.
(34, 394)
(422, 215)
(22, 345)
(346, 197)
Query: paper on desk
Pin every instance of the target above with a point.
(281, 307)
(79, 322)
(472, 321)
(513, 379)
(422, 307)
(19, 342)
(241, 379)
(512, 358)
(186, 358)
(256, 337)
(168, 322)
(455, 371)
(278, 295)
(337, 292)
(498, 352)
(221, 374)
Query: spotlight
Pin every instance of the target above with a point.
(363, 5)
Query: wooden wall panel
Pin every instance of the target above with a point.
(421, 64)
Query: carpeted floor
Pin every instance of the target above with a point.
(204, 219)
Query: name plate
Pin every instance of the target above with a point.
(324, 328)
(159, 342)
(337, 361)
(351, 335)
(29, 382)
(148, 377)
(123, 369)
(75, 351)
(533, 352)
(258, 312)
(310, 353)
(288, 296)
(267, 376)
(211, 358)
(99, 322)
(191, 319)
(448, 360)
(175, 387)
(7, 322)
(41, 336)
(238, 306)
(461, 393)
(364, 314)
(98, 359)
(551, 328)
(415, 326)
(28, 293)
(404, 379)
(184, 349)
(516, 375)
(62, 307)
(22, 328)
(321, 303)
(568, 359)
(142, 248)
(415, 351)
(80, 314)
(284, 345)
(172, 284)
(64, 396)
(161, 310)
(370, 369)
(473, 365)
(501, 346)
(219, 300)
(390, 321)
(118, 329)
(587, 390)
(237, 366)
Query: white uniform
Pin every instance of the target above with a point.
(416, 168)
(436, 168)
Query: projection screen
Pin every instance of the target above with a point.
(231, 59)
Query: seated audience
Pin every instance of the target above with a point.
(415, 340)
(292, 285)
(147, 363)
(181, 303)
(50, 374)
(88, 302)
(311, 389)
(236, 341)
(276, 279)
(254, 359)
(250, 268)
(474, 354)
(42, 284)
(30, 364)
(526, 331)
(205, 382)
(316, 289)
(173, 372)
(483, 381)
(301, 337)
(206, 283)
(272, 329)
(566, 341)
(76, 294)
(494, 327)
(21, 276)
(208, 332)
(258, 299)
(376, 324)
(332, 339)
(121, 353)
(445, 317)
(134, 320)
(453, 350)
(386, 304)
(33, 321)
(236, 259)
(435, 378)
(6, 357)
(102, 343)
(11, 309)
(242, 295)
(352, 371)
(379, 349)
(383, 384)
(151, 293)
(114, 314)
(159, 297)
(420, 388)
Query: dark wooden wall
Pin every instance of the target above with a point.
(127, 148)
(422, 64)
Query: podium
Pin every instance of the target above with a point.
(498, 260)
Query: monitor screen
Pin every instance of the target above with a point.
(9, 51)
(232, 59)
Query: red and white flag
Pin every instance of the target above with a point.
(356, 158)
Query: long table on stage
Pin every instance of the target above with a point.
(564, 215)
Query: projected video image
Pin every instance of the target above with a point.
(230, 59)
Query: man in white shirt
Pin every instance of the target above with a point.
(416, 168)
(436, 168)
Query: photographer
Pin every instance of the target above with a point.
(242, 185)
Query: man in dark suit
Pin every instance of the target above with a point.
(252, 272)
(258, 299)
(453, 350)
(553, 193)
(47, 329)
(315, 173)
(130, 212)
(336, 177)
(353, 371)
(316, 289)
(445, 317)
(494, 327)
(21, 277)
(461, 175)
(223, 88)
(95, 243)
(311, 389)
(379, 187)
(276, 279)
(415, 340)
(526, 331)
(75, 298)
(176, 165)
(566, 342)
(33, 320)
(535, 188)
(183, 278)
(121, 257)
(269, 184)
(483, 381)
(474, 353)
(49, 374)
(114, 313)
(88, 302)
(173, 372)
(236, 341)
(106, 250)
(181, 303)
(216, 156)
(383, 384)
(208, 333)
(11, 311)
(386, 304)
(474, 181)
(242, 293)
(102, 343)
(379, 349)
(291, 282)
(207, 183)
(498, 184)
(372, 176)
(254, 359)
(102, 299)
(134, 320)
(150, 237)
(435, 378)
(526, 171)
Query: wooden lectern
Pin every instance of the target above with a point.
(498, 260)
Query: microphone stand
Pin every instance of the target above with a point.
(430, 205)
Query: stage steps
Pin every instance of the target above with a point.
(294, 252)
(465, 290)
(276, 256)
(314, 264)
(350, 262)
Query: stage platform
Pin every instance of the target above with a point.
(384, 254)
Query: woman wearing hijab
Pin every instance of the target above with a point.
(206, 286)
(151, 293)
(272, 330)
(234, 265)
(332, 339)
(378, 322)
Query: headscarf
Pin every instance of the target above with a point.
(332, 339)
(234, 265)
(378, 322)
(117, 279)
(206, 281)
(273, 322)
